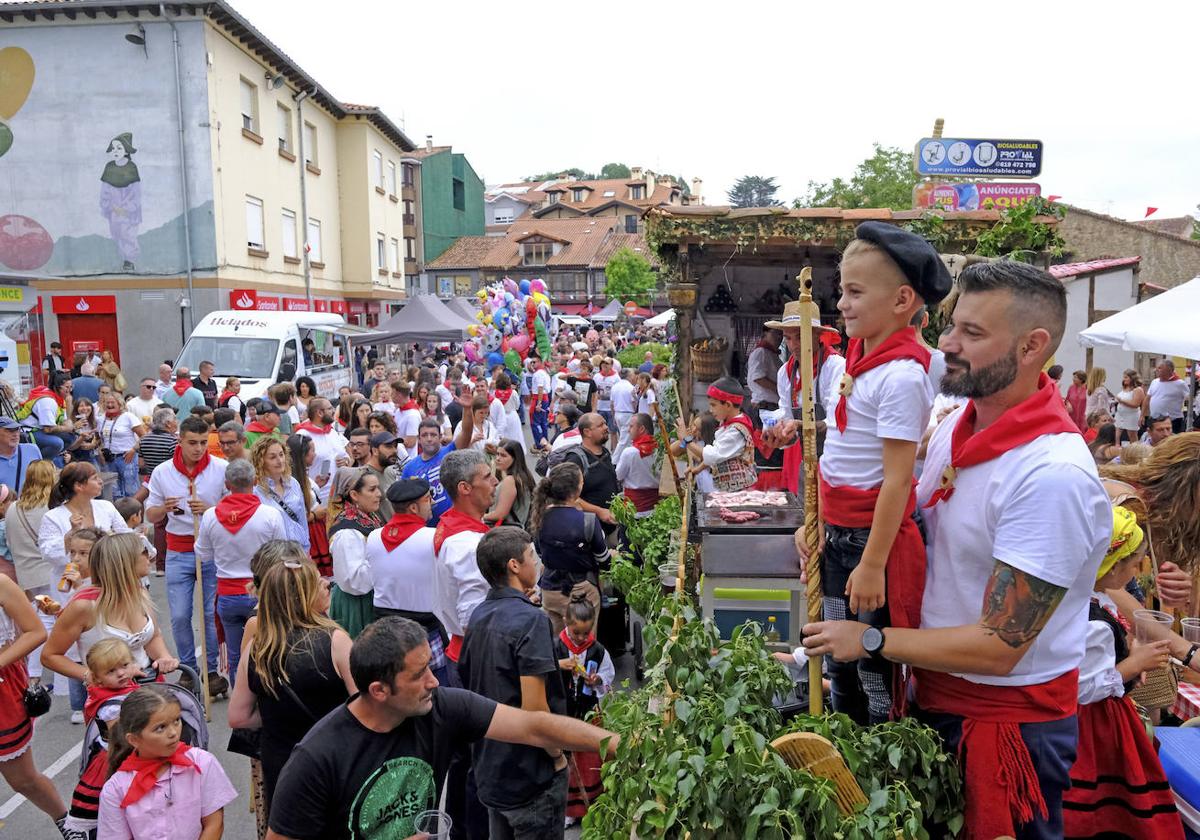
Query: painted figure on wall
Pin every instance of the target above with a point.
(121, 198)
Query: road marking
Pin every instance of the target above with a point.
(71, 755)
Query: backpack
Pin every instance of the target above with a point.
(552, 459)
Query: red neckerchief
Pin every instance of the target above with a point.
(235, 510)
(181, 386)
(257, 427)
(1174, 377)
(399, 528)
(145, 771)
(502, 394)
(644, 444)
(741, 420)
(411, 405)
(902, 344)
(41, 393)
(577, 650)
(309, 426)
(225, 395)
(97, 694)
(113, 415)
(1040, 414)
(190, 475)
(454, 521)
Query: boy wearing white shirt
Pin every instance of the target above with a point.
(181, 490)
(328, 442)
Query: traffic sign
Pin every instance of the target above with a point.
(961, 158)
(631, 308)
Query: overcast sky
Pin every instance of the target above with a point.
(794, 90)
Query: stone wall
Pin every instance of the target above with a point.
(1167, 260)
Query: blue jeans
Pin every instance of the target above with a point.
(51, 445)
(235, 611)
(181, 587)
(127, 476)
(78, 694)
(539, 426)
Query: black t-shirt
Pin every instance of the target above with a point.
(209, 390)
(454, 412)
(600, 481)
(345, 782)
(510, 638)
(584, 389)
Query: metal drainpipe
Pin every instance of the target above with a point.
(300, 96)
(183, 172)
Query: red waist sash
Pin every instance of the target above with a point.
(1001, 784)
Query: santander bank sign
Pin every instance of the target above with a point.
(249, 299)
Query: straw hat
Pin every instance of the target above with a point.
(792, 317)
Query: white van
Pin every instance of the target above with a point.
(262, 348)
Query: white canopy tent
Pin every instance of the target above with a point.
(1162, 324)
(660, 320)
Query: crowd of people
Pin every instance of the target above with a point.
(351, 557)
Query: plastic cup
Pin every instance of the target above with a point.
(1151, 625)
(434, 824)
(1191, 630)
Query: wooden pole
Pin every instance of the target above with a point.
(812, 521)
(203, 661)
(662, 427)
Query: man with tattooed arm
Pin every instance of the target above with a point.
(1017, 523)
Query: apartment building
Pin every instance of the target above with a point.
(168, 160)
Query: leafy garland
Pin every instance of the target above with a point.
(1024, 228)
(705, 770)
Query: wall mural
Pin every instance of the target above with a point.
(121, 198)
(77, 196)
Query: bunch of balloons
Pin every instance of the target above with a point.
(513, 319)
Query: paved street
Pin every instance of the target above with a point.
(56, 750)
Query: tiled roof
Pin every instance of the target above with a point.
(465, 252)
(1092, 267)
(1180, 226)
(424, 152)
(596, 193)
(588, 243)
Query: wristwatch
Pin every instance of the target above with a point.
(1187, 660)
(872, 642)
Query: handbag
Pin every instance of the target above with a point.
(36, 700)
(1159, 688)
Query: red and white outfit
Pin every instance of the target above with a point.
(170, 478)
(329, 445)
(730, 457)
(408, 424)
(230, 534)
(16, 727)
(635, 471)
(1118, 787)
(1023, 491)
(404, 567)
(787, 382)
(458, 583)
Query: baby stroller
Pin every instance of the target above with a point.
(93, 761)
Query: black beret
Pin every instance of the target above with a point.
(917, 259)
(407, 490)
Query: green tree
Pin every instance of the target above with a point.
(615, 170)
(574, 172)
(754, 191)
(885, 179)
(629, 277)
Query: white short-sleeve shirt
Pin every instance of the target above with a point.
(1040, 508)
(116, 435)
(891, 401)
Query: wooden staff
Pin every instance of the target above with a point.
(203, 661)
(662, 427)
(812, 520)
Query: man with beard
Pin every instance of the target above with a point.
(383, 462)
(1017, 522)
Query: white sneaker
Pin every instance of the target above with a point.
(76, 717)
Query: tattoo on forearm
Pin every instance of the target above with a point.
(1016, 605)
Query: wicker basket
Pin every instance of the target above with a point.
(708, 364)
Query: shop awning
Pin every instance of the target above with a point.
(1163, 324)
